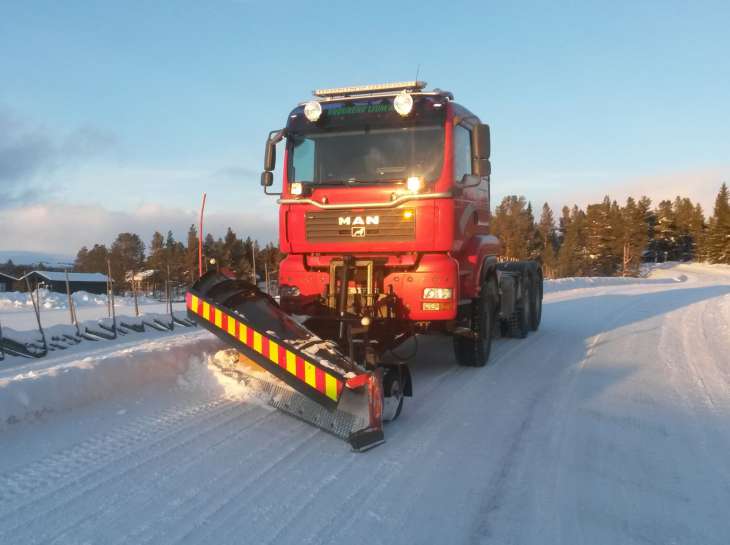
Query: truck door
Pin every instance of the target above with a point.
(471, 203)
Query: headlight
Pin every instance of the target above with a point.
(437, 293)
(414, 184)
(289, 291)
(312, 110)
(296, 188)
(403, 103)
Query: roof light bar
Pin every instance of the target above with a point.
(373, 88)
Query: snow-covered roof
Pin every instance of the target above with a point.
(6, 275)
(56, 276)
(139, 276)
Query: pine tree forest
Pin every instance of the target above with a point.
(165, 259)
(612, 239)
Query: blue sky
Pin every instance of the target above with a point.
(116, 116)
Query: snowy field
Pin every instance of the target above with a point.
(610, 425)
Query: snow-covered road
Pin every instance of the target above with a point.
(611, 425)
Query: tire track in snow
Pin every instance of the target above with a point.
(568, 430)
(360, 492)
(196, 519)
(272, 511)
(334, 529)
(121, 466)
(713, 390)
(174, 472)
(81, 459)
(631, 460)
(430, 424)
(559, 388)
(416, 445)
(189, 501)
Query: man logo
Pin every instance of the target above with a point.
(358, 231)
(358, 220)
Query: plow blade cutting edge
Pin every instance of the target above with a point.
(325, 388)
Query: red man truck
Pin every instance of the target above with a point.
(384, 212)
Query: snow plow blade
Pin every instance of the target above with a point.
(321, 385)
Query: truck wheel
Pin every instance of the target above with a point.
(519, 322)
(536, 303)
(474, 352)
(392, 396)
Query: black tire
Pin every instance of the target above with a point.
(474, 352)
(519, 322)
(391, 381)
(536, 303)
(504, 328)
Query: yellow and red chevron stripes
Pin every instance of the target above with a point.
(305, 371)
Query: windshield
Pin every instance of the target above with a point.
(367, 156)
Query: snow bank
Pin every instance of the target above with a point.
(51, 300)
(670, 272)
(572, 283)
(101, 375)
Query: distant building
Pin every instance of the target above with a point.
(56, 281)
(7, 282)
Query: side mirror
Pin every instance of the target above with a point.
(270, 155)
(267, 176)
(270, 152)
(481, 145)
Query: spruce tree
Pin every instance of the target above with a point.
(81, 259)
(93, 260)
(548, 240)
(514, 225)
(601, 239)
(665, 231)
(615, 221)
(534, 242)
(233, 252)
(683, 210)
(191, 253)
(634, 236)
(697, 230)
(156, 257)
(573, 254)
(127, 254)
(718, 239)
(174, 259)
(212, 249)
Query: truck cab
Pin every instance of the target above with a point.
(384, 213)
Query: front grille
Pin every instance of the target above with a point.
(338, 225)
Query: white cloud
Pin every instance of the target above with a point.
(63, 228)
(29, 152)
(123, 186)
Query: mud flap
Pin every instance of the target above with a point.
(320, 384)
